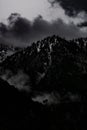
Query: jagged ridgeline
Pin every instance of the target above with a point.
(51, 64)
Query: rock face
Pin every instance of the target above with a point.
(47, 86)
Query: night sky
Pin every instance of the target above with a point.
(37, 19)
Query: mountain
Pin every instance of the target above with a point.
(44, 86)
(51, 64)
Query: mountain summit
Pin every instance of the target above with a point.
(51, 64)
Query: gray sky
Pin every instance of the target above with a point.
(32, 8)
(27, 8)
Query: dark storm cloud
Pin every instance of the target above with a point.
(71, 7)
(84, 24)
(22, 31)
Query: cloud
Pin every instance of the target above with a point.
(47, 98)
(72, 7)
(22, 32)
(83, 24)
(20, 80)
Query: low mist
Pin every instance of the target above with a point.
(20, 80)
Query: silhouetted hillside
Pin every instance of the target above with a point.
(17, 111)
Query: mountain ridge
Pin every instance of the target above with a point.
(47, 86)
(52, 58)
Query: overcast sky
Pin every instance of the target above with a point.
(27, 8)
(60, 17)
(32, 8)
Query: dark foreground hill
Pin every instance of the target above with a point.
(17, 111)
